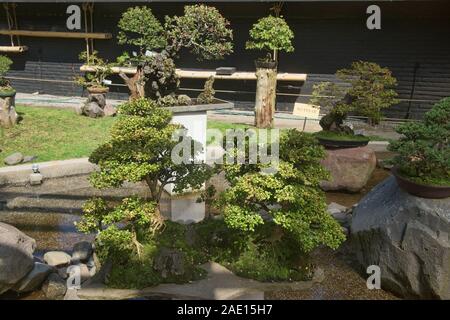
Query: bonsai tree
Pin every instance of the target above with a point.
(5, 64)
(139, 149)
(371, 89)
(201, 30)
(289, 202)
(94, 80)
(270, 34)
(423, 152)
(331, 98)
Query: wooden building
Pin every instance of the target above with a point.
(414, 42)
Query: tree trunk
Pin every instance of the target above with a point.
(265, 97)
(135, 84)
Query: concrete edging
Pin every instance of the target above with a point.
(20, 174)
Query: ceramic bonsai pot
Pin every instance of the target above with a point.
(264, 64)
(98, 90)
(419, 189)
(334, 143)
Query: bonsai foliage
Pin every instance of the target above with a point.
(202, 30)
(289, 201)
(423, 152)
(140, 28)
(5, 64)
(371, 89)
(139, 149)
(271, 34)
(207, 95)
(98, 76)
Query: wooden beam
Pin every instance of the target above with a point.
(56, 34)
(205, 74)
(13, 48)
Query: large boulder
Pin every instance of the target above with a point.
(14, 159)
(34, 279)
(407, 237)
(350, 168)
(16, 256)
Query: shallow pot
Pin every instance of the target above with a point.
(98, 90)
(419, 189)
(331, 143)
(7, 93)
(262, 64)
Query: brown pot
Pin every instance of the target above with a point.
(98, 90)
(264, 64)
(419, 189)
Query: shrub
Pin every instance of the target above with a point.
(423, 152)
(290, 201)
(371, 89)
(5, 64)
(271, 34)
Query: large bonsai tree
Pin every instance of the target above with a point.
(289, 201)
(201, 30)
(423, 152)
(139, 149)
(371, 89)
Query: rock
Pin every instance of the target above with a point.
(407, 237)
(62, 272)
(28, 159)
(34, 279)
(84, 272)
(8, 114)
(82, 251)
(169, 262)
(79, 109)
(71, 294)
(57, 258)
(14, 159)
(98, 98)
(383, 165)
(93, 110)
(335, 207)
(54, 287)
(109, 111)
(36, 179)
(350, 168)
(16, 256)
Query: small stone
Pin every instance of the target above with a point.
(82, 251)
(27, 159)
(54, 287)
(110, 111)
(336, 207)
(36, 179)
(84, 272)
(92, 110)
(57, 258)
(14, 159)
(34, 279)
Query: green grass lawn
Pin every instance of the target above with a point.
(53, 134)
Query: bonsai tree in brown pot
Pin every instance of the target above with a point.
(94, 82)
(201, 30)
(271, 34)
(422, 161)
(8, 115)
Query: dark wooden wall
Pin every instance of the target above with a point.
(414, 40)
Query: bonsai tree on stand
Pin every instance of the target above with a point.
(94, 83)
(367, 92)
(202, 30)
(8, 115)
(270, 34)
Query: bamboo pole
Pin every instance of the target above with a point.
(57, 34)
(13, 48)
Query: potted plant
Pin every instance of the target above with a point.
(201, 30)
(94, 81)
(8, 115)
(422, 160)
(365, 89)
(271, 34)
